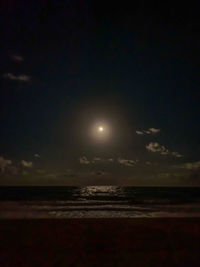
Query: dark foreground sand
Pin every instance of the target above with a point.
(100, 242)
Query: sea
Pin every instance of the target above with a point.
(98, 202)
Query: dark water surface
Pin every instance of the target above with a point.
(99, 202)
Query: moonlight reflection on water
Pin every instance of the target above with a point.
(98, 202)
(90, 191)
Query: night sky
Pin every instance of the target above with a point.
(69, 67)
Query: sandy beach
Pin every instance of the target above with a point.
(100, 242)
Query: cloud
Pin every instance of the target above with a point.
(127, 162)
(139, 133)
(149, 131)
(21, 77)
(148, 163)
(37, 155)
(27, 164)
(84, 160)
(151, 163)
(17, 58)
(177, 155)
(154, 130)
(156, 147)
(190, 165)
(4, 163)
(96, 159)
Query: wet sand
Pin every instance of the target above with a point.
(100, 242)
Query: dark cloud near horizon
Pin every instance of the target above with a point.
(27, 173)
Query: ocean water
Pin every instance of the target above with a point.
(98, 202)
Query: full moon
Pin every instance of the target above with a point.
(100, 132)
(100, 129)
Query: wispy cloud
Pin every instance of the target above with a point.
(139, 132)
(154, 130)
(151, 163)
(149, 131)
(27, 164)
(84, 160)
(190, 165)
(127, 162)
(17, 58)
(4, 163)
(156, 147)
(21, 77)
(177, 155)
(37, 155)
(96, 159)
